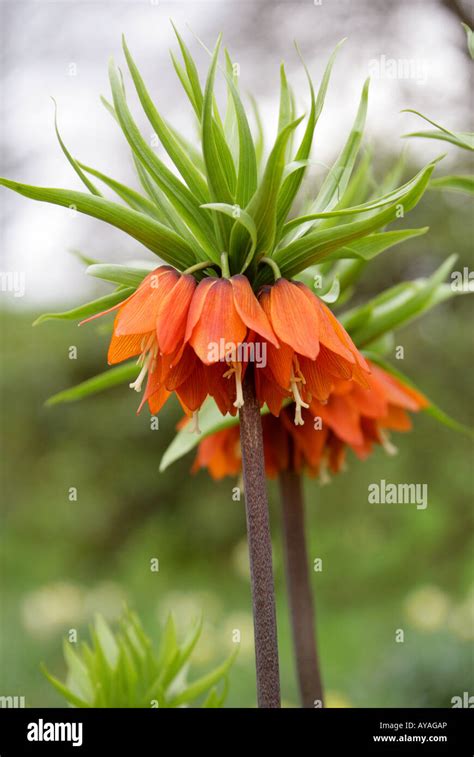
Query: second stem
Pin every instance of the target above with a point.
(299, 590)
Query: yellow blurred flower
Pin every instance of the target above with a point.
(335, 699)
(427, 608)
(63, 605)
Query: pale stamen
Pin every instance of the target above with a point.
(147, 360)
(194, 425)
(137, 384)
(237, 371)
(324, 477)
(388, 446)
(239, 401)
(299, 404)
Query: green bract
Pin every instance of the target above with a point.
(123, 669)
(221, 196)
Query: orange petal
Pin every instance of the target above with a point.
(343, 418)
(280, 364)
(181, 370)
(319, 382)
(396, 419)
(334, 336)
(279, 361)
(334, 364)
(268, 392)
(123, 347)
(309, 438)
(173, 314)
(398, 393)
(219, 453)
(294, 317)
(157, 400)
(250, 310)
(139, 314)
(219, 325)
(154, 384)
(197, 304)
(337, 454)
(221, 389)
(370, 402)
(193, 391)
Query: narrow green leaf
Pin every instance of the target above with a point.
(152, 234)
(184, 653)
(470, 39)
(285, 110)
(193, 151)
(180, 158)
(177, 193)
(130, 276)
(185, 83)
(169, 649)
(460, 139)
(464, 184)
(387, 199)
(317, 245)
(82, 257)
(107, 641)
(339, 175)
(217, 158)
(292, 184)
(371, 246)
(168, 215)
(337, 180)
(263, 206)
(246, 183)
(88, 309)
(215, 700)
(230, 116)
(199, 687)
(90, 186)
(79, 681)
(64, 691)
(242, 217)
(134, 199)
(192, 75)
(260, 136)
(398, 306)
(120, 374)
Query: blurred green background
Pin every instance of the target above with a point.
(385, 567)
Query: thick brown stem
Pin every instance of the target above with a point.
(260, 549)
(299, 590)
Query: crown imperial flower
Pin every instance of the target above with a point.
(353, 416)
(315, 350)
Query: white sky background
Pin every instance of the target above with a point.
(41, 39)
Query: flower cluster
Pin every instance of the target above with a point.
(189, 339)
(353, 416)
